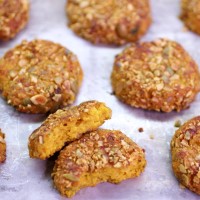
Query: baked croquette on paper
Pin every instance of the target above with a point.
(40, 76)
(99, 156)
(158, 75)
(113, 22)
(65, 126)
(185, 150)
(2, 147)
(14, 15)
(190, 14)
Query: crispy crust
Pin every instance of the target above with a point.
(14, 15)
(191, 14)
(99, 156)
(185, 150)
(2, 147)
(110, 21)
(65, 126)
(158, 75)
(40, 76)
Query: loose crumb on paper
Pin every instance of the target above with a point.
(140, 129)
(151, 136)
(177, 123)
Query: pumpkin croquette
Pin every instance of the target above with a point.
(40, 76)
(114, 22)
(158, 75)
(14, 15)
(185, 150)
(2, 147)
(99, 156)
(190, 14)
(65, 126)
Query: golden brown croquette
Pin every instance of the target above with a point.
(65, 126)
(99, 156)
(2, 147)
(158, 75)
(185, 150)
(191, 14)
(39, 76)
(109, 22)
(14, 15)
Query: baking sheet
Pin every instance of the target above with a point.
(22, 178)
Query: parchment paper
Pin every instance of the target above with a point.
(22, 178)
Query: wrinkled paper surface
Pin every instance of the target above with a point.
(22, 178)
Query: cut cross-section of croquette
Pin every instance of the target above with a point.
(2, 147)
(99, 156)
(65, 126)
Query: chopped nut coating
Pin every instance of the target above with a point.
(14, 15)
(185, 150)
(109, 22)
(158, 75)
(99, 156)
(65, 126)
(40, 76)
